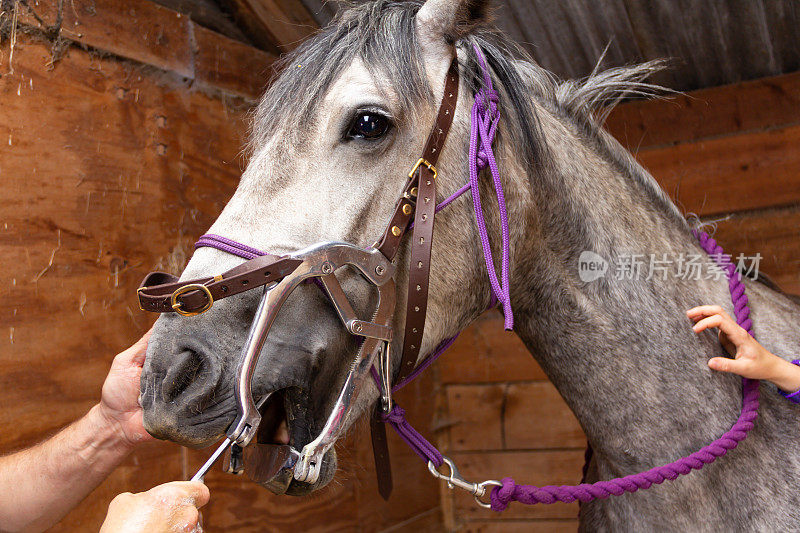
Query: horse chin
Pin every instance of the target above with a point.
(300, 488)
(285, 420)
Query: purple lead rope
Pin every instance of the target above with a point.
(529, 494)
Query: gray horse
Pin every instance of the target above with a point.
(620, 350)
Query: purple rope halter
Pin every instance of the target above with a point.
(529, 494)
(485, 117)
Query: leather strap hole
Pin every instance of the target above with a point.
(245, 282)
(266, 274)
(224, 288)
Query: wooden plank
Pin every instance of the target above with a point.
(484, 352)
(754, 105)
(475, 418)
(287, 22)
(135, 29)
(536, 417)
(108, 158)
(535, 468)
(749, 171)
(88, 147)
(230, 65)
(521, 526)
(519, 416)
(775, 234)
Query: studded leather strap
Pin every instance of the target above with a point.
(422, 235)
(419, 199)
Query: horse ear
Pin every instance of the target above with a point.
(443, 22)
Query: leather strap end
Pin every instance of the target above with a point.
(380, 452)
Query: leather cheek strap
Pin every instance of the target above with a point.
(422, 236)
(419, 199)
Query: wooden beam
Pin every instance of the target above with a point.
(208, 14)
(273, 25)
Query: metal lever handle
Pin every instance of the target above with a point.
(211, 460)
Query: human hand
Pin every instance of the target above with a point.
(166, 508)
(119, 402)
(751, 360)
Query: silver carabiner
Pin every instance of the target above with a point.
(454, 479)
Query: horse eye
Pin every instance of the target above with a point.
(369, 125)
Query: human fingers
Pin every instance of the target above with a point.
(187, 519)
(135, 355)
(733, 366)
(725, 324)
(702, 311)
(194, 493)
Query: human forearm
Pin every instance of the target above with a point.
(41, 484)
(785, 375)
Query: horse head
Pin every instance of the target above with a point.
(333, 141)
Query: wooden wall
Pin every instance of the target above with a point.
(113, 159)
(729, 154)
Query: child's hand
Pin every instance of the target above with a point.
(751, 359)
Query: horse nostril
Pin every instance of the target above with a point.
(184, 370)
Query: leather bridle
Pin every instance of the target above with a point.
(280, 275)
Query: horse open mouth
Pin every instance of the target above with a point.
(274, 428)
(285, 423)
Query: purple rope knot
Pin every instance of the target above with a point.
(396, 416)
(487, 100)
(503, 495)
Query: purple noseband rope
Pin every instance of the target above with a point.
(228, 245)
(529, 494)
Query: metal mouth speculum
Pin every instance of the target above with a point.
(320, 261)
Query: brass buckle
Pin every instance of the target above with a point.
(422, 161)
(139, 297)
(176, 305)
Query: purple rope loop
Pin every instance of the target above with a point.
(427, 451)
(529, 494)
(483, 128)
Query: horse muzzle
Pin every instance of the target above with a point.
(276, 465)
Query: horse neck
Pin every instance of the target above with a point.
(620, 352)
